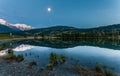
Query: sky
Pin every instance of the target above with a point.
(76, 13)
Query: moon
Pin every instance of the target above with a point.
(49, 9)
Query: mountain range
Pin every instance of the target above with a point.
(8, 27)
(22, 29)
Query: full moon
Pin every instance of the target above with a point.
(49, 9)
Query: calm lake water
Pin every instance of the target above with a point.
(83, 53)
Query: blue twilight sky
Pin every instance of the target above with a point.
(77, 13)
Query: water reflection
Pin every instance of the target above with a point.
(61, 44)
(3, 52)
(23, 47)
(86, 56)
(82, 52)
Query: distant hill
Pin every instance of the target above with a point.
(50, 30)
(54, 30)
(6, 29)
(107, 28)
(22, 29)
(69, 30)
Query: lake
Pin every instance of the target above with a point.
(87, 53)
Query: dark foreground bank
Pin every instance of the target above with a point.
(13, 68)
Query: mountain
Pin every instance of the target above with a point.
(6, 29)
(22, 27)
(18, 27)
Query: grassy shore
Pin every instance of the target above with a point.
(9, 36)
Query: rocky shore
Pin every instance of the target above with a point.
(13, 68)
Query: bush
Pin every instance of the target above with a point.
(20, 58)
(98, 68)
(10, 56)
(53, 59)
(62, 59)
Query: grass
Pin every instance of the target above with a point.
(98, 71)
(109, 73)
(12, 56)
(104, 70)
(4, 36)
(53, 59)
(56, 59)
(7, 36)
(83, 71)
(98, 68)
(62, 59)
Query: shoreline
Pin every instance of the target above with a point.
(13, 68)
(14, 39)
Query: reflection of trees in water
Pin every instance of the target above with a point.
(69, 43)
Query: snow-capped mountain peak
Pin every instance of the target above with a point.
(23, 26)
(15, 26)
(3, 22)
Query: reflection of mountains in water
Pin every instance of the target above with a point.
(61, 44)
